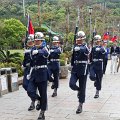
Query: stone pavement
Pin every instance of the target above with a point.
(13, 106)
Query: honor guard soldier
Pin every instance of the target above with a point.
(79, 63)
(26, 67)
(38, 73)
(114, 56)
(54, 64)
(96, 59)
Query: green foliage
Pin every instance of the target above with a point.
(12, 33)
(62, 62)
(40, 29)
(7, 57)
(63, 56)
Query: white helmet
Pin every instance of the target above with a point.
(30, 38)
(39, 36)
(81, 35)
(97, 37)
(55, 39)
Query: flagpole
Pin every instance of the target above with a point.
(24, 7)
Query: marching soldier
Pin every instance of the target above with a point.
(114, 52)
(79, 71)
(54, 64)
(26, 66)
(96, 59)
(38, 73)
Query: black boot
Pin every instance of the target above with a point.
(52, 87)
(32, 106)
(79, 109)
(38, 106)
(54, 93)
(96, 94)
(41, 116)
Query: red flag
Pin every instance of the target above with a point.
(30, 26)
(106, 36)
(114, 38)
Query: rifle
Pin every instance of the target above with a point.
(76, 30)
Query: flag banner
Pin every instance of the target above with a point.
(114, 38)
(106, 36)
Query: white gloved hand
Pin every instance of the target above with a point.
(35, 52)
(22, 67)
(97, 49)
(77, 48)
(27, 51)
(28, 76)
(51, 51)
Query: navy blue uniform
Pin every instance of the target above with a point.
(54, 64)
(97, 55)
(79, 71)
(38, 76)
(26, 65)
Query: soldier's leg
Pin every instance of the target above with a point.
(56, 82)
(73, 81)
(31, 91)
(42, 87)
(99, 76)
(25, 83)
(82, 91)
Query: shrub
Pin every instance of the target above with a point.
(62, 62)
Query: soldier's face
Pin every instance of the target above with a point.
(30, 44)
(79, 41)
(56, 43)
(98, 42)
(38, 43)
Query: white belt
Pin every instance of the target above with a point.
(95, 60)
(81, 62)
(54, 60)
(114, 54)
(42, 66)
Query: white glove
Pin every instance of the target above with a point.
(27, 51)
(22, 67)
(77, 48)
(35, 52)
(28, 76)
(97, 49)
(51, 51)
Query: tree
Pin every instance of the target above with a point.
(13, 32)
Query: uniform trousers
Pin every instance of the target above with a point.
(42, 88)
(82, 85)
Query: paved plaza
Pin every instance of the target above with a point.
(13, 106)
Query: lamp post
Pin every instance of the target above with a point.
(90, 12)
(24, 7)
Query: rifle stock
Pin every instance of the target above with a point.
(76, 30)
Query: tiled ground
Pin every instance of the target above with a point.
(13, 106)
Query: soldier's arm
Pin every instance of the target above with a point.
(87, 51)
(58, 50)
(44, 52)
(72, 59)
